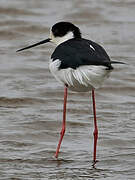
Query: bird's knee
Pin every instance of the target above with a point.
(95, 133)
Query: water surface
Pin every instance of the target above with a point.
(31, 99)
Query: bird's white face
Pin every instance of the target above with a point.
(58, 40)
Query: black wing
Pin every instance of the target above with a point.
(77, 52)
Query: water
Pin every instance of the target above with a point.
(31, 100)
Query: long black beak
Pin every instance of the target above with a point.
(41, 42)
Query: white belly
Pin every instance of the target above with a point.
(82, 79)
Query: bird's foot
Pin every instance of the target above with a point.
(94, 163)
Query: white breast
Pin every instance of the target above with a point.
(82, 79)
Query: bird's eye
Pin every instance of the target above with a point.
(55, 32)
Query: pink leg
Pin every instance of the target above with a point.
(63, 123)
(95, 133)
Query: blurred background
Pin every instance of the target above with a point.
(31, 100)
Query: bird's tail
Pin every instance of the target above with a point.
(117, 62)
(110, 67)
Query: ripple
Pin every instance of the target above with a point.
(17, 102)
(16, 11)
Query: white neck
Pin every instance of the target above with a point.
(59, 40)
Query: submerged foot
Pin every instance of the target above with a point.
(94, 163)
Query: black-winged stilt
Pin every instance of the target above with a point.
(80, 64)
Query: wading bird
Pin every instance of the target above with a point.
(80, 64)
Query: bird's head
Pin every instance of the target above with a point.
(59, 33)
(63, 31)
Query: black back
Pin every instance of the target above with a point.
(77, 52)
